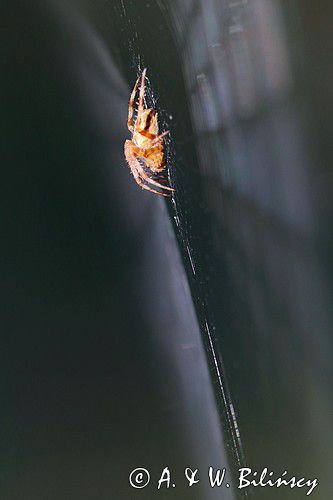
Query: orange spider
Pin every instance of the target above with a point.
(146, 144)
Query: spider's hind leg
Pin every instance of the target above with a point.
(142, 91)
(131, 107)
(158, 138)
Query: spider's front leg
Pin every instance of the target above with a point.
(138, 172)
(143, 154)
(139, 181)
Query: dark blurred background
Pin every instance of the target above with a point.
(139, 332)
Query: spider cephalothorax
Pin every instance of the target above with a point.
(146, 145)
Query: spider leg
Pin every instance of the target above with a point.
(139, 181)
(159, 137)
(131, 107)
(147, 178)
(138, 171)
(142, 154)
(155, 139)
(147, 134)
(142, 91)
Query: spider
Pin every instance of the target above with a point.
(146, 144)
